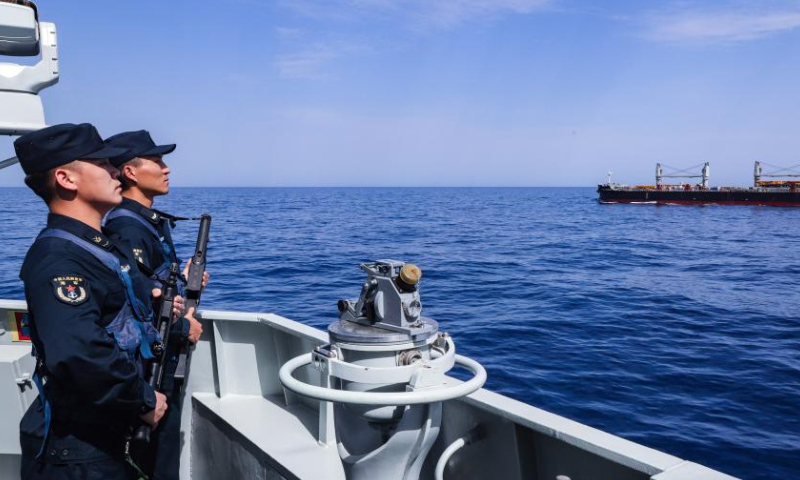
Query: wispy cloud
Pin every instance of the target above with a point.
(416, 13)
(313, 61)
(312, 54)
(307, 63)
(732, 25)
(450, 13)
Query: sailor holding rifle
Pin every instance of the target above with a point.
(89, 315)
(144, 176)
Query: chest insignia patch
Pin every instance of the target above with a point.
(70, 289)
(137, 252)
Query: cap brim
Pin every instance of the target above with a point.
(105, 152)
(158, 150)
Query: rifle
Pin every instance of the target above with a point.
(194, 289)
(154, 371)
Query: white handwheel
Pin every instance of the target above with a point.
(428, 395)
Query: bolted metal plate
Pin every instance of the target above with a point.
(351, 332)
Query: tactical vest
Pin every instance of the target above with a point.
(161, 272)
(132, 328)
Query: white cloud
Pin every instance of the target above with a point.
(450, 13)
(290, 34)
(307, 63)
(312, 61)
(312, 54)
(721, 27)
(433, 13)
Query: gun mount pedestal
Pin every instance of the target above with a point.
(383, 377)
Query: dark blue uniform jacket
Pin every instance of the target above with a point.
(72, 297)
(162, 461)
(148, 249)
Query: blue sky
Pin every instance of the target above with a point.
(434, 93)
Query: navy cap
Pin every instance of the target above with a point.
(137, 144)
(58, 145)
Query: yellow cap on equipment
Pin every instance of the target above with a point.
(410, 274)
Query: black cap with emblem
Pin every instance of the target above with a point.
(137, 144)
(58, 145)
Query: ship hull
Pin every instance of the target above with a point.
(699, 197)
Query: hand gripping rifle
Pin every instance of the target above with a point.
(194, 288)
(154, 371)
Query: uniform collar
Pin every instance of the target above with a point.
(80, 229)
(152, 216)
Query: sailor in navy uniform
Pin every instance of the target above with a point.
(144, 176)
(88, 313)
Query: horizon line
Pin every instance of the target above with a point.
(362, 186)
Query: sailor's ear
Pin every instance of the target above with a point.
(128, 171)
(65, 177)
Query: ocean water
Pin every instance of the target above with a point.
(674, 326)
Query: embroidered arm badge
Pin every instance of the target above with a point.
(70, 289)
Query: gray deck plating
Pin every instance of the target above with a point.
(240, 423)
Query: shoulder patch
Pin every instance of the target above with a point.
(70, 289)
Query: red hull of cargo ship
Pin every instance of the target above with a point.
(691, 196)
(702, 202)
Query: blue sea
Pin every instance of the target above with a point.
(677, 327)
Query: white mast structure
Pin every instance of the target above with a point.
(659, 175)
(756, 173)
(705, 174)
(23, 35)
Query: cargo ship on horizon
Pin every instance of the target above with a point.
(782, 192)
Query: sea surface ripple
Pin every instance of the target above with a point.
(674, 326)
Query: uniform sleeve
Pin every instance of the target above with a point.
(180, 331)
(76, 349)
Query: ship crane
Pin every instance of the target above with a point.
(684, 173)
(781, 172)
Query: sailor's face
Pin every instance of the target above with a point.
(152, 175)
(97, 183)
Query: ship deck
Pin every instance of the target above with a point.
(239, 422)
